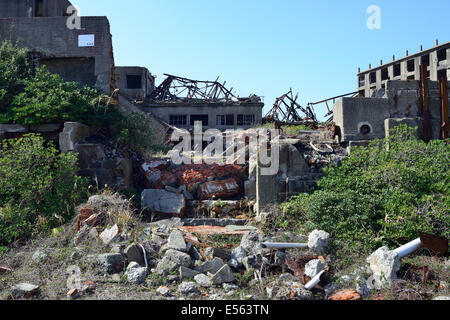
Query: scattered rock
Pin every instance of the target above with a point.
(176, 241)
(24, 290)
(286, 277)
(210, 266)
(319, 241)
(39, 256)
(111, 262)
(135, 273)
(110, 235)
(279, 258)
(211, 253)
(187, 288)
(361, 287)
(4, 270)
(172, 260)
(384, 265)
(237, 256)
(224, 275)
(255, 262)
(251, 242)
(134, 253)
(346, 295)
(164, 291)
(203, 280)
(313, 268)
(229, 286)
(186, 273)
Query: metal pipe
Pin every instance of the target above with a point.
(314, 281)
(273, 245)
(408, 248)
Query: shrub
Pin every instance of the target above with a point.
(136, 132)
(383, 194)
(38, 188)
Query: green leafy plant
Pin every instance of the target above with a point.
(136, 132)
(381, 195)
(39, 188)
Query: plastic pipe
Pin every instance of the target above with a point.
(408, 248)
(314, 281)
(273, 245)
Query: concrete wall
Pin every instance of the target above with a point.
(52, 39)
(27, 8)
(212, 110)
(147, 81)
(400, 101)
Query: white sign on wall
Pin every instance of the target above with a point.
(86, 40)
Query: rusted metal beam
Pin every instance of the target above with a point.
(443, 92)
(425, 103)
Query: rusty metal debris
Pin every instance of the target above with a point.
(285, 111)
(175, 88)
(443, 93)
(330, 110)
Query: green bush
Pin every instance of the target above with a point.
(35, 96)
(38, 188)
(383, 194)
(136, 132)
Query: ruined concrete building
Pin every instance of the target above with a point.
(411, 91)
(85, 55)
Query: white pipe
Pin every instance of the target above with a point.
(272, 245)
(314, 282)
(408, 248)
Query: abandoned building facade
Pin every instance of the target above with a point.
(85, 55)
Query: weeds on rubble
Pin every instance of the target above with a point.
(381, 195)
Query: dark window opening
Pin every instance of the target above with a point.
(39, 8)
(362, 80)
(397, 70)
(425, 60)
(225, 120)
(178, 120)
(384, 74)
(373, 77)
(200, 117)
(411, 66)
(362, 93)
(411, 78)
(365, 130)
(245, 119)
(134, 82)
(442, 55)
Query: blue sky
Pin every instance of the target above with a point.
(267, 47)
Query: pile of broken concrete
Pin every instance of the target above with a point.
(169, 186)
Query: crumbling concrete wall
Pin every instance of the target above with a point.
(147, 81)
(364, 119)
(51, 40)
(28, 8)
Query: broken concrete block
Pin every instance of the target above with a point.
(73, 133)
(187, 273)
(224, 275)
(24, 290)
(110, 235)
(164, 202)
(384, 265)
(111, 262)
(313, 268)
(319, 241)
(176, 241)
(210, 266)
(218, 189)
(136, 274)
(134, 253)
(172, 260)
(202, 280)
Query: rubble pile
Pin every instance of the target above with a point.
(170, 186)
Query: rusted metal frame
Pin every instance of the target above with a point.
(443, 93)
(425, 108)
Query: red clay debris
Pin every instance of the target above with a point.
(73, 294)
(85, 214)
(346, 296)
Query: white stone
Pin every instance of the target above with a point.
(384, 265)
(318, 241)
(203, 280)
(313, 268)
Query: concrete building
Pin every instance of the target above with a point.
(136, 83)
(244, 113)
(84, 55)
(372, 82)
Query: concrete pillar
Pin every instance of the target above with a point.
(433, 66)
(266, 189)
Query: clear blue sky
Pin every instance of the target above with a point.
(266, 47)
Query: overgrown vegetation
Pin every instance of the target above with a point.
(381, 195)
(39, 188)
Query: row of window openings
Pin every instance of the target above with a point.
(221, 120)
(410, 67)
